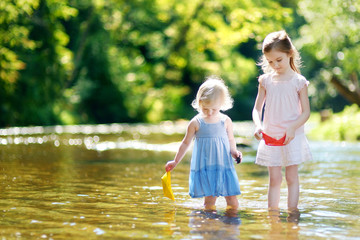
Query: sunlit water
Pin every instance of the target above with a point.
(103, 182)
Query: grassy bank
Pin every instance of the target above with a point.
(343, 126)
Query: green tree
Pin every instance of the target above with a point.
(34, 60)
(330, 39)
(165, 48)
(116, 60)
(13, 37)
(90, 91)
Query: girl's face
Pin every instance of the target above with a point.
(210, 109)
(279, 61)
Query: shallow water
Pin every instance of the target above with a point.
(103, 182)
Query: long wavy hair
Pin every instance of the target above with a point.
(279, 41)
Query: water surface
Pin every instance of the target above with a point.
(103, 182)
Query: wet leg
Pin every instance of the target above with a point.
(293, 215)
(275, 178)
(232, 202)
(231, 214)
(274, 215)
(209, 203)
(292, 179)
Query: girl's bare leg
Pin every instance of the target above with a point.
(232, 202)
(292, 179)
(275, 178)
(232, 206)
(209, 203)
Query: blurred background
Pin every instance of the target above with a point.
(68, 62)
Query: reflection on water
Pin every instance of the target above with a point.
(214, 224)
(281, 230)
(103, 181)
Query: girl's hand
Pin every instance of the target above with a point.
(236, 154)
(258, 133)
(290, 135)
(170, 165)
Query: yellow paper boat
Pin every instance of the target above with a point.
(166, 183)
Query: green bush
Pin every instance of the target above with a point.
(343, 126)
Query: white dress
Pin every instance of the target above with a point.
(282, 108)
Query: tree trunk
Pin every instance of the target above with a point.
(352, 96)
(78, 54)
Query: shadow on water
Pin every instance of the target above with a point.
(103, 181)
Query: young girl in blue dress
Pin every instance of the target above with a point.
(212, 171)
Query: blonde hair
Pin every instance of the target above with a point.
(280, 41)
(213, 89)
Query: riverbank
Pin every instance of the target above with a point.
(328, 126)
(343, 126)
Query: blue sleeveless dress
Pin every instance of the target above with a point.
(212, 171)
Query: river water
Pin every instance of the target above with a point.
(103, 182)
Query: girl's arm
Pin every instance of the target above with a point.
(230, 132)
(305, 114)
(185, 144)
(257, 111)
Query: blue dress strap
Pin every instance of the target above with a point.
(199, 119)
(223, 118)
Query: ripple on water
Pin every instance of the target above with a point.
(79, 191)
(99, 231)
(328, 214)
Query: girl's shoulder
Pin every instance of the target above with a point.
(195, 122)
(264, 78)
(300, 81)
(196, 119)
(226, 120)
(299, 77)
(224, 117)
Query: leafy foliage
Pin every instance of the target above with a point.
(76, 61)
(34, 60)
(160, 51)
(342, 126)
(331, 40)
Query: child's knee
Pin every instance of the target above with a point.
(290, 179)
(275, 180)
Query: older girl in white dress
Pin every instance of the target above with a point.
(283, 92)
